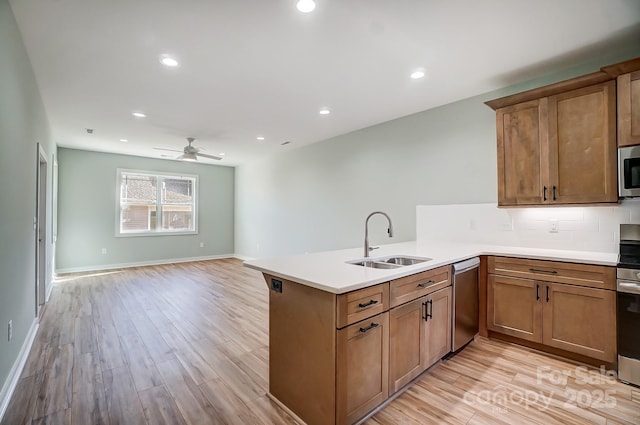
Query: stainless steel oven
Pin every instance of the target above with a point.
(629, 171)
(628, 314)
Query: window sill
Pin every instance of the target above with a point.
(169, 233)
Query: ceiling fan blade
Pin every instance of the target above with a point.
(209, 156)
(164, 149)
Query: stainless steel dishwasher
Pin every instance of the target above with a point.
(465, 302)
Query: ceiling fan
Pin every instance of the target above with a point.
(190, 153)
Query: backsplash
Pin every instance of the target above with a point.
(578, 228)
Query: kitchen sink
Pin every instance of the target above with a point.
(406, 261)
(389, 262)
(375, 264)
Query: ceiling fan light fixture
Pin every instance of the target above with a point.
(188, 157)
(306, 6)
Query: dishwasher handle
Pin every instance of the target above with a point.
(463, 266)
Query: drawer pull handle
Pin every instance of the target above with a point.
(554, 193)
(428, 314)
(547, 293)
(425, 284)
(371, 302)
(537, 291)
(543, 271)
(544, 194)
(368, 328)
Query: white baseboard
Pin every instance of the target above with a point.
(243, 257)
(14, 374)
(140, 263)
(49, 289)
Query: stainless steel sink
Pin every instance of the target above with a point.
(389, 262)
(375, 264)
(406, 261)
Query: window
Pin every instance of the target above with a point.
(156, 204)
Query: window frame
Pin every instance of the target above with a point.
(159, 231)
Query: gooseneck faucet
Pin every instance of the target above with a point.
(367, 249)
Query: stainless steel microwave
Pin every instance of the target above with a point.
(629, 171)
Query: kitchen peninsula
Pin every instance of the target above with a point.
(332, 328)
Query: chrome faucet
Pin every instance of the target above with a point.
(367, 249)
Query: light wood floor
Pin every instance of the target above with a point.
(187, 344)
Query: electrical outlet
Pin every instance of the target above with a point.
(10, 336)
(201, 244)
(104, 251)
(276, 285)
(553, 226)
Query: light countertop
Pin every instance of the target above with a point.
(329, 271)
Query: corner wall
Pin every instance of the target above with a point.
(87, 213)
(23, 124)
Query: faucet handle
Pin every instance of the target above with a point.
(371, 248)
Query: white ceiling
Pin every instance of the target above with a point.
(260, 67)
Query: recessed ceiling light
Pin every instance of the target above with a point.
(169, 61)
(260, 138)
(139, 114)
(306, 6)
(324, 111)
(416, 75)
(124, 140)
(221, 154)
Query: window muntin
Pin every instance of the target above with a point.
(152, 204)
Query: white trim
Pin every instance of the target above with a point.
(14, 374)
(158, 231)
(140, 263)
(49, 288)
(243, 257)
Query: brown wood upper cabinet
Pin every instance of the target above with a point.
(629, 109)
(627, 74)
(560, 148)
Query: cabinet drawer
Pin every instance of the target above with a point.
(411, 287)
(358, 305)
(603, 277)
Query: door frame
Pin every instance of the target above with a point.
(41, 228)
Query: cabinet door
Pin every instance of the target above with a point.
(582, 145)
(406, 343)
(629, 109)
(522, 143)
(437, 325)
(514, 307)
(362, 368)
(580, 320)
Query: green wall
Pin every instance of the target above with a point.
(86, 213)
(316, 197)
(23, 124)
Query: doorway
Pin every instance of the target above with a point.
(41, 229)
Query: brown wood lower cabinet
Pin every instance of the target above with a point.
(513, 307)
(335, 358)
(575, 318)
(581, 320)
(420, 335)
(362, 368)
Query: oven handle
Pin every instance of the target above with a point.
(629, 287)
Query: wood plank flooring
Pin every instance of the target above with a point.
(188, 344)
